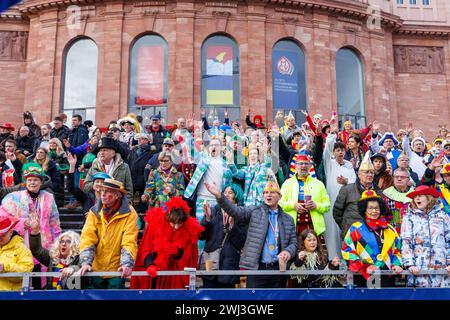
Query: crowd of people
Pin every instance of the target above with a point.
(224, 196)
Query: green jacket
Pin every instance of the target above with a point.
(314, 187)
(120, 172)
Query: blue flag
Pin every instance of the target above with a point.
(5, 4)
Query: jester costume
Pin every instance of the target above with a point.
(398, 204)
(371, 242)
(164, 248)
(444, 195)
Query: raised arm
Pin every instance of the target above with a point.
(242, 214)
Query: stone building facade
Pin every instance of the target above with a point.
(402, 49)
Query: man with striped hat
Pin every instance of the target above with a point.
(305, 198)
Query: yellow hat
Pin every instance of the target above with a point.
(445, 169)
(137, 128)
(369, 194)
(366, 164)
(348, 122)
(272, 186)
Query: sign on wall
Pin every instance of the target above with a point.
(150, 76)
(285, 80)
(219, 75)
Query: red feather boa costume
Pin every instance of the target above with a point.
(161, 239)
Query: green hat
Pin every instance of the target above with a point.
(32, 169)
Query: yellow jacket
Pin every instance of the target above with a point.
(15, 257)
(108, 245)
(318, 192)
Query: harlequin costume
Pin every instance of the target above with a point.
(371, 242)
(444, 190)
(398, 204)
(164, 248)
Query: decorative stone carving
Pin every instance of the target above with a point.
(13, 45)
(223, 4)
(411, 59)
(350, 20)
(289, 11)
(221, 18)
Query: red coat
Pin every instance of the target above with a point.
(158, 236)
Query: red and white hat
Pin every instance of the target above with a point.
(423, 190)
(6, 224)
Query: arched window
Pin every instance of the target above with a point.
(80, 79)
(350, 88)
(289, 79)
(149, 77)
(220, 78)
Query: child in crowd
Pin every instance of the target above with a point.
(311, 256)
(63, 255)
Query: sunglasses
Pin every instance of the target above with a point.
(447, 147)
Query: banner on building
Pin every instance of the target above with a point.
(219, 75)
(285, 80)
(150, 76)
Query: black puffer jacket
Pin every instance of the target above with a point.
(61, 133)
(258, 224)
(78, 135)
(229, 256)
(25, 143)
(55, 176)
(137, 165)
(158, 137)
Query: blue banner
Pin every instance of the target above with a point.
(285, 80)
(398, 294)
(5, 4)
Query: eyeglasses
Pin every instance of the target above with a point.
(65, 242)
(447, 147)
(164, 161)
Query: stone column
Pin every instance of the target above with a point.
(40, 72)
(181, 93)
(319, 62)
(254, 80)
(110, 66)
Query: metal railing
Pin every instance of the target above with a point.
(75, 280)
